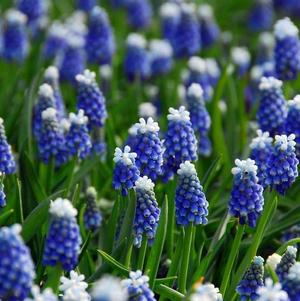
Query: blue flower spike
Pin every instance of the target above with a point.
(126, 172)
(16, 266)
(190, 201)
(2, 193)
(92, 215)
(62, 245)
(241, 58)
(261, 15)
(272, 109)
(287, 261)
(252, 280)
(246, 202)
(292, 282)
(287, 49)
(139, 13)
(147, 212)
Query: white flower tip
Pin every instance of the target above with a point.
(285, 28)
(62, 208)
(258, 260)
(136, 40)
(87, 78)
(188, 8)
(284, 141)
(244, 166)
(49, 114)
(105, 71)
(160, 48)
(91, 191)
(74, 40)
(267, 83)
(16, 228)
(147, 109)
(16, 16)
(266, 39)
(125, 156)
(240, 56)
(294, 272)
(181, 115)
(273, 261)
(195, 91)
(147, 126)
(197, 64)
(1, 121)
(169, 10)
(261, 141)
(292, 250)
(65, 124)
(144, 183)
(187, 168)
(205, 12)
(212, 67)
(294, 103)
(46, 90)
(79, 118)
(52, 73)
(58, 30)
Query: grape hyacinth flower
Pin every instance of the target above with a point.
(90, 98)
(180, 143)
(2, 193)
(186, 41)
(51, 140)
(287, 49)
(272, 109)
(286, 262)
(7, 160)
(169, 17)
(125, 172)
(247, 200)
(109, 288)
(63, 240)
(55, 40)
(209, 30)
(273, 261)
(261, 149)
(266, 42)
(161, 59)
(147, 212)
(207, 292)
(252, 280)
(213, 71)
(281, 169)
(190, 201)
(148, 147)
(291, 233)
(92, 215)
(78, 140)
(45, 295)
(139, 13)
(105, 73)
(72, 59)
(199, 117)
(292, 125)
(198, 73)
(136, 62)
(51, 77)
(99, 44)
(271, 292)
(15, 40)
(16, 266)
(261, 15)
(292, 283)
(86, 5)
(138, 287)
(240, 57)
(147, 109)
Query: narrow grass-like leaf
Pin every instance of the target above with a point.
(168, 293)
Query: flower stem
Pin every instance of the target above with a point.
(53, 279)
(142, 254)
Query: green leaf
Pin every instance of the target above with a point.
(157, 248)
(5, 216)
(291, 242)
(84, 246)
(168, 293)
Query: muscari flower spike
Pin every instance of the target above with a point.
(271, 292)
(272, 109)
(72, 59)
(139, 13)
(147, 109)
(266, 42)
(55, 41)
(147, 212)
(241, 58)
(92, 215)
(15, 41)
(63, 240)
(252, 280)
(291, 233)
(86, 5)
(180, 142)
(287, 49)
(148, 147)
(291, 284)
(292, 125)
(213, 71)
(186, 41)
(261, 149)
(273, 261)
(138, 287)
(286, 262)
(51, 77)
(190, 201)
(51, 140)
(261, 15)
(199, 117)
(7, 160)
(281, 170)
(169, 17)
(74, 288)
(78, 140)
(198, 74)
(209, 29)
(90, 98)
(99, 43)
(109, 288)
(161, 60)
(45, 295)
(207, 292)
(137, 61)
(2, 193)
(125, 172)
(246, 202)
(16, 266)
